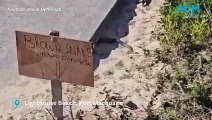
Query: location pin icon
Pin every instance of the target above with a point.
(16, 103)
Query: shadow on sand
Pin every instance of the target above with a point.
(119, 27)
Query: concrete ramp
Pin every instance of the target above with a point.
(76, 19)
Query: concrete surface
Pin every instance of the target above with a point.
(79, 19)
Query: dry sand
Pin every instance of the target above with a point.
(124, 74)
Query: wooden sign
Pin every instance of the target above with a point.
(42, 56)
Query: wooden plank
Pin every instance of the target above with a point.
(68, 60)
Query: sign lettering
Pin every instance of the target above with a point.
(69, 60)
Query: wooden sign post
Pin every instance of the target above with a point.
(56, 86)
(57, 59)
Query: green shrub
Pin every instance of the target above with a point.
(171, 114)
(201, 95)
(178, 78)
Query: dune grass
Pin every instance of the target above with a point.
(189, 38)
